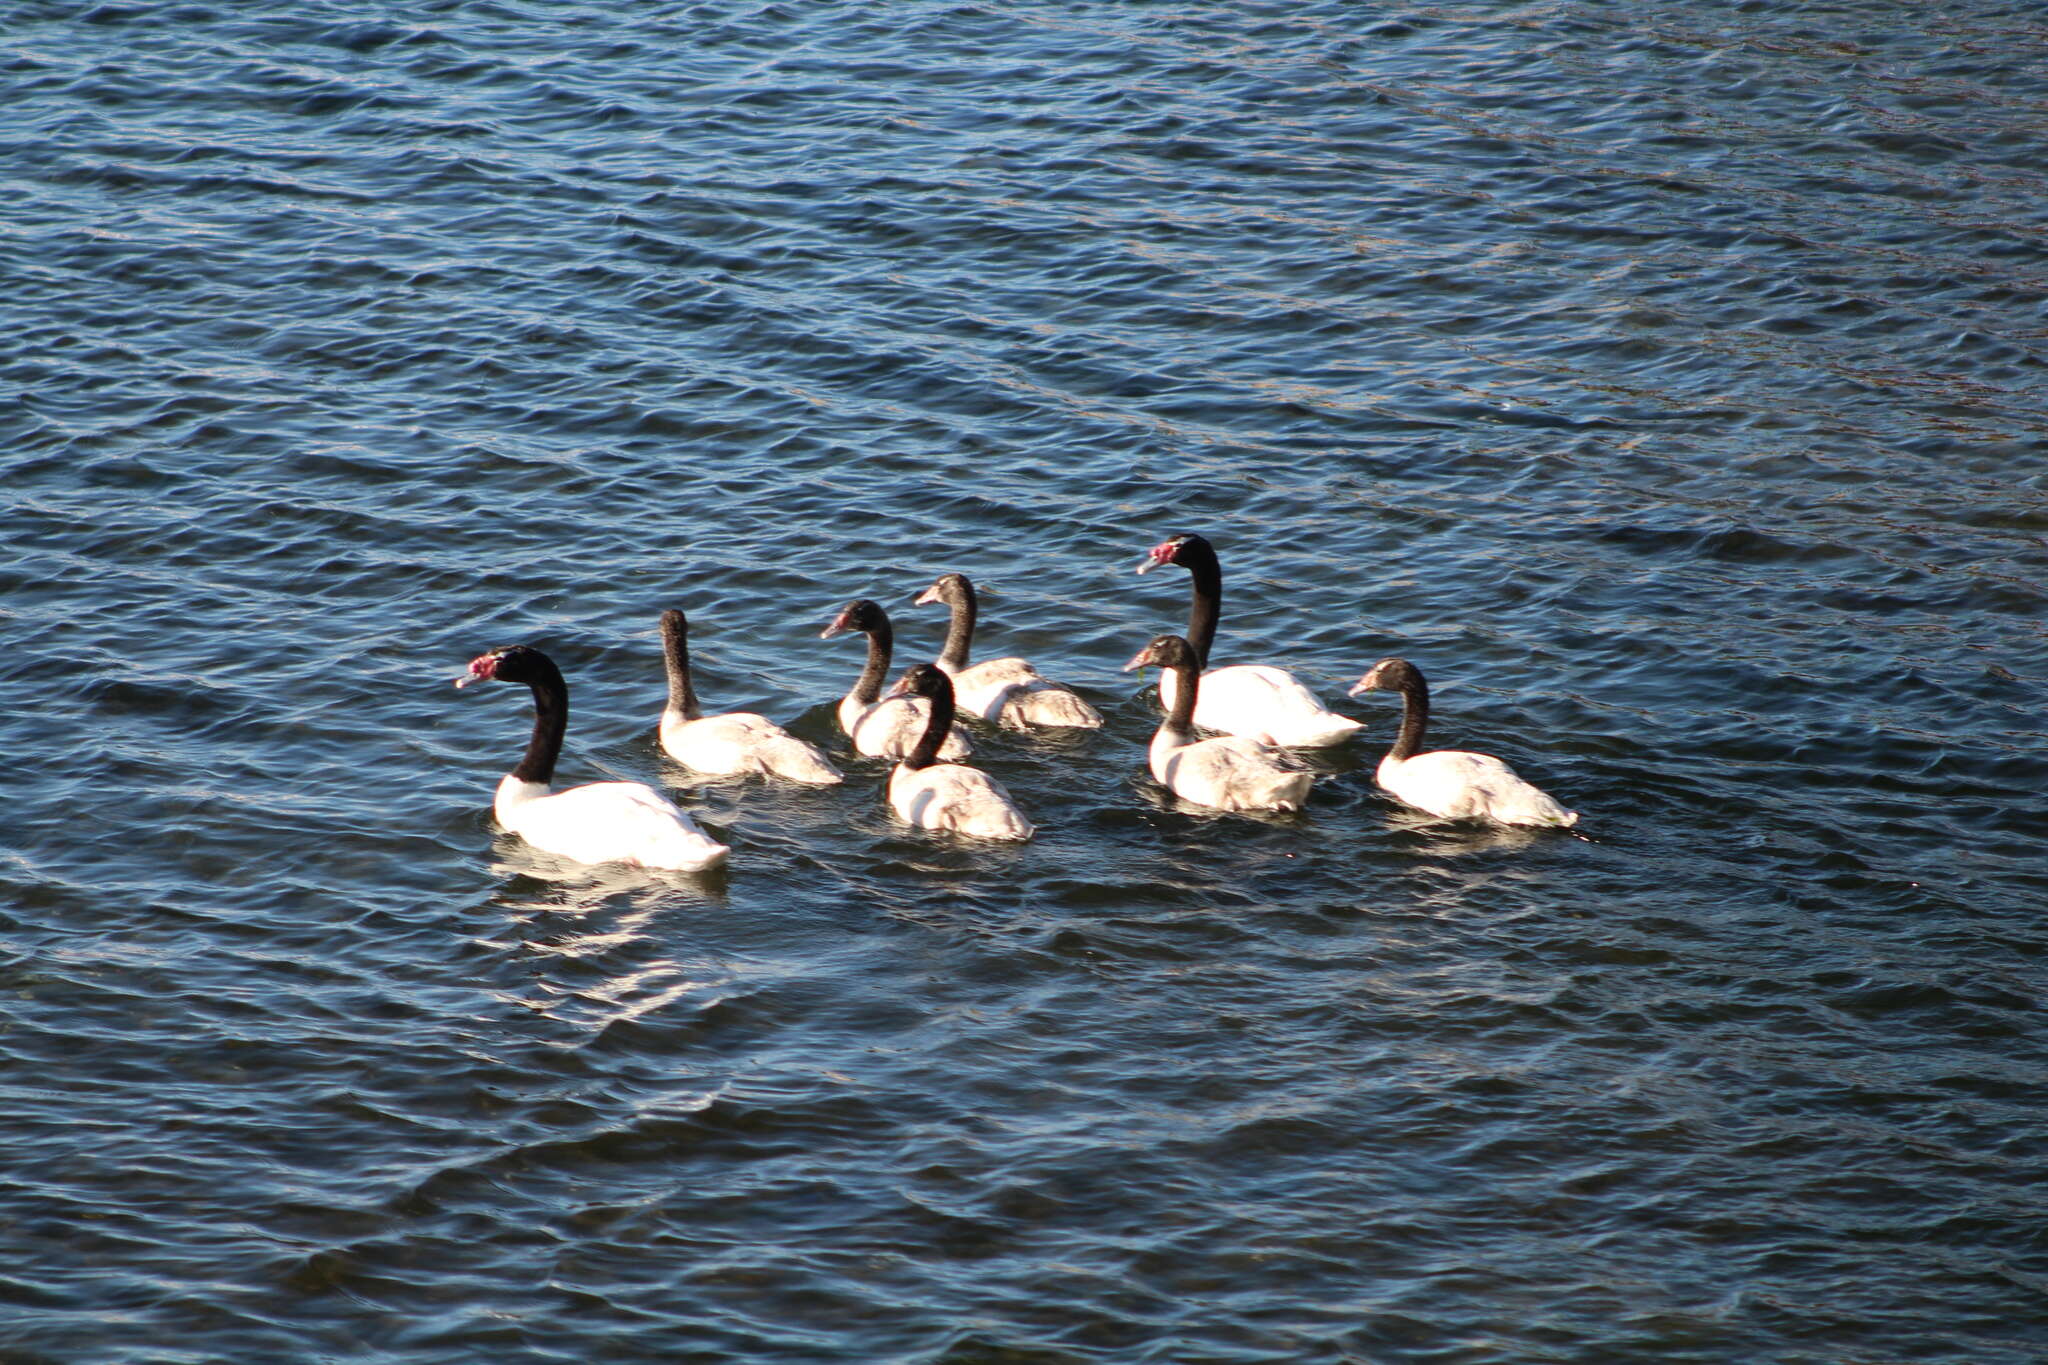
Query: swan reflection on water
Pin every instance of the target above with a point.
(565, 885)
(1460, 838)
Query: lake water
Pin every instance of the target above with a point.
(1665, 379)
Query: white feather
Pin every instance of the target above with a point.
(1228, 772)
(606, 822)
(742, 742)
(1457, 785)
(891, 727)
(1011, 692)
(1263, 703)
(957, 799)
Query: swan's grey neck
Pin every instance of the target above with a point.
(960, 634)
(1414, 717)
(867, 689)
(1207, 581)
(926, 751)
(550, 721)
(1180, 720)
(675, 642)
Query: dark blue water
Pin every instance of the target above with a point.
(1666, 380)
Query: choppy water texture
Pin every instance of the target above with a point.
(1666, 379)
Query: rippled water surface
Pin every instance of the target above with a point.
(1665, 379)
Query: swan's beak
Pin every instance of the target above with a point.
(838, 624)
(465, 680)
(481, 668)
(930, 594)
(1157, 555)
(1364, 684)
(1144, 657)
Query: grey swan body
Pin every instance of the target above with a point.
(947, 796)
(1228, 772)
(1006, 691)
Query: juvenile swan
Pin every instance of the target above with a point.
(947, 796)
(1450, 782)
(734, 742)
(1228, 772)
(884, 727)
(1007, 691)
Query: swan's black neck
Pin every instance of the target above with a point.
(1207, 581)
(867, 689)
(1188, 678)
(936, 728)
(1414, 716)
(675, 642)
(960, 634)
(550, 722)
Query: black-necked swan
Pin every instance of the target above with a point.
(884, 727)
(735, 742)
(947, 796)
(1007, 691)
(1256, 701)
(602, 822)
(1450, 782)
(1228, 772)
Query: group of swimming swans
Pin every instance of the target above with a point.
(1260, 711)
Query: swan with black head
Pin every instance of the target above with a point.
(731, 742)
(600, 822)
(1255, 701)
(883, 727)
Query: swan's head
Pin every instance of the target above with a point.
(1167, 651)
(673, 622)
(1180, 549)
(511, 663)
(922, 680)
(1388, 675)
(861, 615)
(953, 589)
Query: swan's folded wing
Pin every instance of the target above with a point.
(1259, 701)
(625, 822)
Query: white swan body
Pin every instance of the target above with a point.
(1457, 785)
(957, 799)
(742, 742)
(1255, 701)
(606, 822)
(1228, 772)
(1263, 703)
(884, 727)
(603, 822)
(948, 796)
(889, 728)
(1003, 691)
(1451, 783)
(735, 741)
